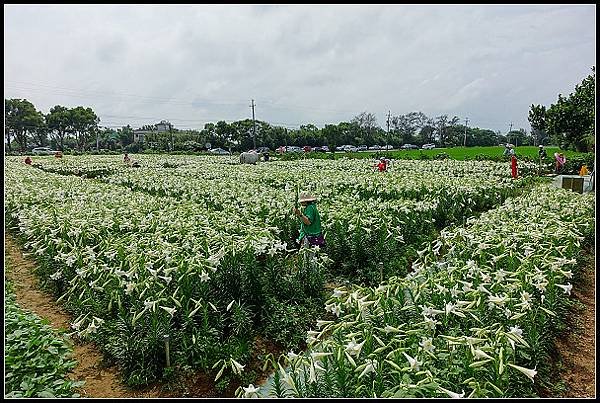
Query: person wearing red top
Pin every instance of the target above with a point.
(513, 166)
(382, 165)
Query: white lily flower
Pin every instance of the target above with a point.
(167, 279)
(452, 394)
(430, 323)
(129, 287)
(370, 367)
(170, 311)
(414, 364)
(390, 329)
(567, 274)
(319, 355)
(427, 344)
(338, 293)
(529, 372)
(429, 311)
(321, 323)
(354, 348)
(480, 354)
(525, 296)
(251, 391)
(566, 288)
(516, 330)
(91, 328)
(204, 277)
(77, 325)
(237, 367)
(312, 377)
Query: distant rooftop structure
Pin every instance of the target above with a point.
(161, 127)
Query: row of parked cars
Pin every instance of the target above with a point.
(351, 148)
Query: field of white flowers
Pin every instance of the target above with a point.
(454, 274)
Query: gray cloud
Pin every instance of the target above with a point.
(139, 64)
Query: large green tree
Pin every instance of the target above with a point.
(21, 119)
(85, 124)
(570, 122)
(59, 124)
(537, 120)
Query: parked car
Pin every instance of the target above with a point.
(325, 149)
(43, 151)
(387, 147)
(409, 147)
(428, 146)
(350, 149)
(218, 151)
(280, 149)
(262, 150)
(294, 149)
(362, 148)
(375, 147)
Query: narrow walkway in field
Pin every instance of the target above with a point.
(100, 381)
(577, 348)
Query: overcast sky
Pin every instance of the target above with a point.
(193, 64)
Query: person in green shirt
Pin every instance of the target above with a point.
(310, 227)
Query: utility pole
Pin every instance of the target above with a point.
(388, 129)
(466, 123)
(510, 130)
(254, 127)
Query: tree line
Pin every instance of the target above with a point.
(28, 127)
(78, 129)
(569, 123)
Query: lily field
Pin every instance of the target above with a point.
(439, 278)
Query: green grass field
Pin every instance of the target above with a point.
(462, 153)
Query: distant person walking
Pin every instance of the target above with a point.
(560, 162)
(513, 166)
(382, 165)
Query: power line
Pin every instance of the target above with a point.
(112, 94)
(29, 86)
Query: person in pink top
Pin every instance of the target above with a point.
(560, 161)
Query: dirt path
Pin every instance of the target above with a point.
(100, 381)
(577, 348)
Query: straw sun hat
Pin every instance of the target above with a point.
(306, 197)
